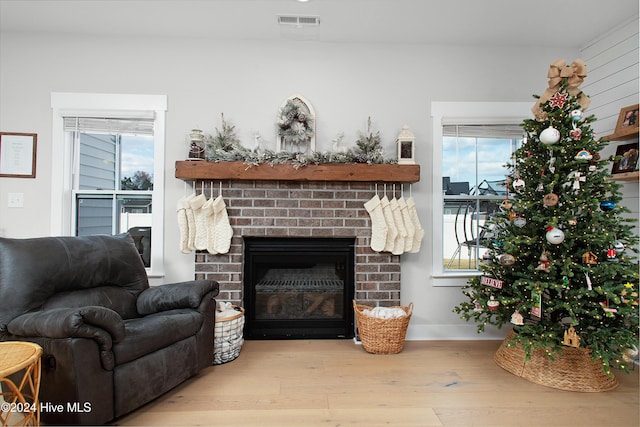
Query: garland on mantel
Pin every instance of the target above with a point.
(226, 147)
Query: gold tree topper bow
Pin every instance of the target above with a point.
(559, 70)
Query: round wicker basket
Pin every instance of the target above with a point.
(382, 336)
(573, 370)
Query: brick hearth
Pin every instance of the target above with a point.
(301, 209)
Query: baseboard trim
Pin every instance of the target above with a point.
(420, 332)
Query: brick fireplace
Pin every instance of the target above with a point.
(301, 209)
(321, 202)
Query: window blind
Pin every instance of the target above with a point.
(110, 125)
(502, 131)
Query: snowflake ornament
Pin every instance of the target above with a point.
(558, 99)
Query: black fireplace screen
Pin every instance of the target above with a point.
(298, 288)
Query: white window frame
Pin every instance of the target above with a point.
(468, 113)
(62, 167)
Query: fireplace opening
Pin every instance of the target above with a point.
(298, 288)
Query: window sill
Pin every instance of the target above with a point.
(154, 274)
(455, 279)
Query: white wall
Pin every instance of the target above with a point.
(613, 83)
(248, 82)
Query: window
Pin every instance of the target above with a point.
(472, 143)
(473, 186)
(113, 178)
(110, 171)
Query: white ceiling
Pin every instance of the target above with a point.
(560, 23)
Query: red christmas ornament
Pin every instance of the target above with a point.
(558, 99)
(576, 134)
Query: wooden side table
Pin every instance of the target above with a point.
(21, 405)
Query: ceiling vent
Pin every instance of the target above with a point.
(299, 21)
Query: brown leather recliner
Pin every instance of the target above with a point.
(111, 343)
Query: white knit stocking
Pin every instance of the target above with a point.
(408, 224)
(191, 223)
(183, 226)
(392, 231)
(209, 216)
(378, 225)
(419, 231)
(398, 248)
(196, 203)
(223, 233)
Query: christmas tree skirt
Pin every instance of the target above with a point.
(572, 370)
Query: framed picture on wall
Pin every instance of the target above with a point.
(627, 120)
(627, 155)
(18, 154)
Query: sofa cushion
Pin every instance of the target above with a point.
(117, 299)
(155, 331)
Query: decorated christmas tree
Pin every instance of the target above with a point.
(561, 265)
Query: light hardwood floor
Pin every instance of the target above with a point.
(310, 383)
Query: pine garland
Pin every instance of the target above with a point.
(225, 146)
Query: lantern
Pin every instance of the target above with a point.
(406, 147)
(195, 143)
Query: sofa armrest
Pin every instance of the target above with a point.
(101, 324)
(82, 322)
(177, 295)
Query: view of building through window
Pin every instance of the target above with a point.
(113, 191)
(473, 184)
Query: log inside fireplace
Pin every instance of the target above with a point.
(298, 288)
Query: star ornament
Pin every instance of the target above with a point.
(558, 99)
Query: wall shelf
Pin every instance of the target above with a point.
(627, 176)
(624, 136)
(202, 170)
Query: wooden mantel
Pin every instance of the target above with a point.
(203, 170)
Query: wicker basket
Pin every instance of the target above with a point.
(573, 370)
(382, 336)
(228, 338)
